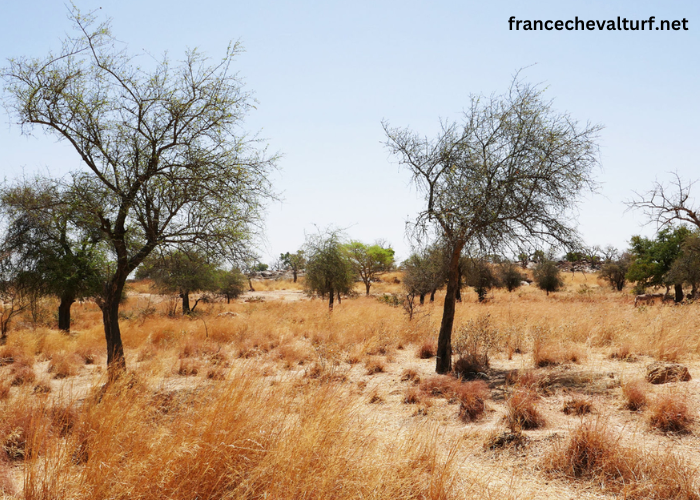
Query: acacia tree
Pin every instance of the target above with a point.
(328, 269)
(182, 272)
(509, 276)
(507, 174)
(57, 256)
(294, 261)
(163, 160)
(425, 272)
(369, 261)
(547, 276)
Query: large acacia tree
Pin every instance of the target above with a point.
(163, 158)
(507, 175)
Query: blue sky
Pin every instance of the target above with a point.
(325, 74)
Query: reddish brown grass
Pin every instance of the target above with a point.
(577, 405)
(522, 411)
(635, 394)
(670, 412)
(472, 398)
(427, 349)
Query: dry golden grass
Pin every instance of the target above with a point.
(635, 393)
(670, 412)
(281, 399)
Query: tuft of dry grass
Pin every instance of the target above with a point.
(635, 394)
(472, 398)
(593, 453)
(522, 411)
(63, 365)
(670, 412)
(412, 396)
(21, 375)
(577, 405)
(374, 365)
(427, 350)
(410, 375)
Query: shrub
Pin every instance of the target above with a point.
(635, 393)
(427, 350)
(670, 413)
(472, 397)
(547, 277)
(522, 412)
(577, 405)
(412, 396)
(63, 365)
(374, 365)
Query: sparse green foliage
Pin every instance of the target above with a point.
(508, 173)
(615, 271)
(182, 272)
(296, 262)
(425, 272)
(163, 158)
(54, 251)
(369, 261)
(231, 284)
(328, 270)
(480, 276)
(547, 276)
(686, 268)
(509, 275)
(652, 259)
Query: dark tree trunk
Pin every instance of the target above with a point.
(67, 301)
(294, 273)
(338, 296)
(185, 302)
(678, 288)
(368, 283)
(432, 296)
(444, 349)
(458, 293)
(228, 299)
(421, 299)
(116, 363)
(330, 300)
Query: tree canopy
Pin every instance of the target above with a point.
(163, 159)
(328, 269)
(507, 176)
(369, 261)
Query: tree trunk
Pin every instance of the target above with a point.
(67, 301)
(432, 296)
(330, 300)
(678, 288)
(338, 296)
(444, 349)
(116, 363)
(458, 293)
(421, 299)
(294, 273)
(250, 284)
(185, 302)
(368, 283)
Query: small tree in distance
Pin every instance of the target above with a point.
(547, 276)
(231, 284)
(328, 269)
(369, 261)
(511, 278)
(294, 262)
(614, 271)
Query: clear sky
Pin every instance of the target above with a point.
(325, 74)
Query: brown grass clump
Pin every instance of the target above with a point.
(440, 385)
(472, 397)
(470, 366)
(63, 365)
(670, 412)
(412, 396)
(592, 453)
(189, 367)
(546, 354)
(427, 349)
(410, 375)
(635, 393)
(522, 412)
(374, 365)
(22, 374)
(623, 353)
(577, 405)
